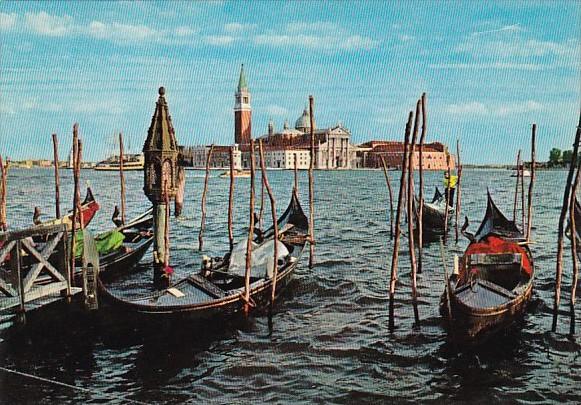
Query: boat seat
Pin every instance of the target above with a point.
(487, 259)
(207, 286)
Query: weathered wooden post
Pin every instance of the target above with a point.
(395, 255)
(573, 232)
(421, 196)
(411, 213)
(75, 201)
(204, 193)
(514, 208)
(531, 182)
(522, 195)
(564, 210)
(122, 178)
(16, 270)
(261, 210)
(3, 191)
(274, 223)
(448, 191)
(312, 185)
(55, 149)
(161, 153)
(181, 189)
(250, 232)
(231, 200)
(458, 186)
(386, 175)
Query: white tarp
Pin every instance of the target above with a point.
(262, 258)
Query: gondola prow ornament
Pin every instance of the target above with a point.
(160, 181)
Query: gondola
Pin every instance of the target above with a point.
(494, 280)
(434, 213)
(218, 288)
(89, 208)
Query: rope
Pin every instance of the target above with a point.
(81, 389)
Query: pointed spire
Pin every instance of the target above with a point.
(161, 135)
(242, 85)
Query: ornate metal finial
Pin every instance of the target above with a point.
(162, 91)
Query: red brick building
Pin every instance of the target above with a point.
(434, 155)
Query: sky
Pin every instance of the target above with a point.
(489, 69)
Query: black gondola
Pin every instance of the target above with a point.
(434, 213)
(218, 289)
(494, 281)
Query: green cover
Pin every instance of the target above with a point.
(106, 242)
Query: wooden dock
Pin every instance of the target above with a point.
(29, 280)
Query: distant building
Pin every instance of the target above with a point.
(433, 155)
(242, 112)
(196, 156)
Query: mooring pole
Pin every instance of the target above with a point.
(180, 192)
(447, 211)
(122, 178)
(564, 210)
(386, 175)
(274, 223)
(522, 195)
(203, 224)
(75, 205)
(458, 186)
(250, 233)
(261, 211)
(3, 193)
(395, 255)
(514, 208)
(411, 213)
(231, 200)
(421, 197)
(531, 182)
(55, 149)
(312, 186)
(573, 232)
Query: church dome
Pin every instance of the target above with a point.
(304, 122)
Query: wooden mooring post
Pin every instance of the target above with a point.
(515, 206)
(55, 148)
(312, 186)
(122, 178)
(458, 187)
(250, 233)
(204, 193)
(447, 191)
(231, 200)
(564, 210)
(412, 217)
(531, 183)
(573, 232)
(386, 175)
(423, 100)
(395, 255)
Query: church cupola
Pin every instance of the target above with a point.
(270, 127)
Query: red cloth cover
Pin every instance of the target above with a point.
(494, 244)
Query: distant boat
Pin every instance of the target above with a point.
(525, 173)
(237, 173)
(130, 162)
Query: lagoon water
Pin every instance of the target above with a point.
(329, 341)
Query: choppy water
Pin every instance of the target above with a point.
(330, 341)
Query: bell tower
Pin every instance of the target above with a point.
(242, 112)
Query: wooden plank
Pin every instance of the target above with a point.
(42, 261)
(40, 230)
(42, 291)
(7, 289)
(5, 250)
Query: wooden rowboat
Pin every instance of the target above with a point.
(89, 208)
(434, 214)
(494, 281)
(218, 288)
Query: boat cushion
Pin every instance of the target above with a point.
(495, 245)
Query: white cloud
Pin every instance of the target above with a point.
(50, 25)
(219, 40)
(470, 108)
(184, 31)
(492, 65)
(277, 111)
(406, 38)
(506, 28)
(474, 108)
(320, 26)
(120, 32)
(234, 27)
(351, 43)
(7, 21)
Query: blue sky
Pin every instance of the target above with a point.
(490, 70)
